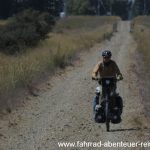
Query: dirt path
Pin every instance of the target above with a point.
(64, 112)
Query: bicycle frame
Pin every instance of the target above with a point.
(107, 84)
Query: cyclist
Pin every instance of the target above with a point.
(106, 67)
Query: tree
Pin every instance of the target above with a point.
(5, 7)
(26, 29)
(55, 7)
(88, 7)
(119, 8)
(80, 7)
(10, 7)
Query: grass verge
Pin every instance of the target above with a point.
(141, 32)
(69, 37)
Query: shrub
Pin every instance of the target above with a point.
(25, 30)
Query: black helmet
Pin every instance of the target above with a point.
(106, 53)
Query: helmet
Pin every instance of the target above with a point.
(106, 53)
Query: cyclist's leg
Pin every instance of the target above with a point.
(95, 102)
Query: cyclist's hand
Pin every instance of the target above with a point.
(93, 78)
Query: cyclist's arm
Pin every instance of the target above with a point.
(95, 70)
(118, 73)
(118, 70)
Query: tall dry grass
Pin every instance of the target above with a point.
(141, 32)
(69, 37)
(3, 22)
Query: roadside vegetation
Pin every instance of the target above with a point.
(69, 37)
(3, 22)
(141, 32)
(24, 30)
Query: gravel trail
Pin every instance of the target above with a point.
(63, 110)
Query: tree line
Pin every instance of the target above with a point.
(77, 7)
(10, 7)
(122, 8)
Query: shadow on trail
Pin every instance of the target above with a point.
(130, 129)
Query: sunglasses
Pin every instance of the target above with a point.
(106, 57)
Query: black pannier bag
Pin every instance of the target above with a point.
(117, 110)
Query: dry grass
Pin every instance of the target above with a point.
(3, 22)
(142, 35)
(57, 51)
(83, 22)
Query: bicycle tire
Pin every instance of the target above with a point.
(107, 117)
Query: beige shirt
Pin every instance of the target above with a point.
(106, 70)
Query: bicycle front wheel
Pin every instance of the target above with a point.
(107, 117)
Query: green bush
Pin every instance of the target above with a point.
(25, 30)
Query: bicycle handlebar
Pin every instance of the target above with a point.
(100, 78)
